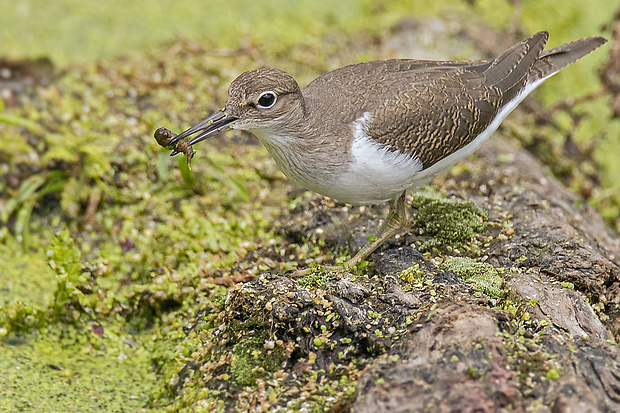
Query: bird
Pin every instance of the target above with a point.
(367, 133)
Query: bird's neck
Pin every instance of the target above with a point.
(304, 157)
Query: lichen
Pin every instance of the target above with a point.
(483, 276)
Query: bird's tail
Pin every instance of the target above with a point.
(552, 61)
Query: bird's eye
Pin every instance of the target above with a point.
(267, 99)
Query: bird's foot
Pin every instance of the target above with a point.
(396, 220)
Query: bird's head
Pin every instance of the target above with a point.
(262, 100)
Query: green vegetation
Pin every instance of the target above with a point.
(109, 249)
(59, 373)
(252, 360)
(448, 223)
(412, 274)
(484, 277)
(318, 280)
(553, 374)
(413, 277)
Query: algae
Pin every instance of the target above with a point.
(48, 373)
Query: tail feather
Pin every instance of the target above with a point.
(510, 71)
(553, 60)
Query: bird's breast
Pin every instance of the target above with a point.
(359, 171)
(375, 173)
(308, 165)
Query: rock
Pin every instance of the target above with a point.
(460, 360)
(564, 308)
(521, 319)
(467, 358)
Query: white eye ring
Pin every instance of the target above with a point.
(266, 99)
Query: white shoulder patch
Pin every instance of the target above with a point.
(377, 173)
(365, 150)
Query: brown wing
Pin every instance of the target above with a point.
(440, 114)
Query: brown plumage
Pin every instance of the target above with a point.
(366, 133)
(432, 109)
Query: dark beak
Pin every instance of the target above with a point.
(207, 128)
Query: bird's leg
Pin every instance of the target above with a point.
(395, 221)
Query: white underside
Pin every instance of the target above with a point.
(377, 174)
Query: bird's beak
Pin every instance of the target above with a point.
(209, 126)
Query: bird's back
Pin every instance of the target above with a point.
(431, 109)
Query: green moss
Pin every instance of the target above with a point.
(448, 223)
(316, 279)
(568, 285)
(553, 374)
(412, 275)
(474, 373)
(21, 314)
(65, 260)
(251, 360)
(243, 370)
(484, 276)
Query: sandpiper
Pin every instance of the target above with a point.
(368, 132)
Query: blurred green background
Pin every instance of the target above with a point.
(69, 31)
(107, 245)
